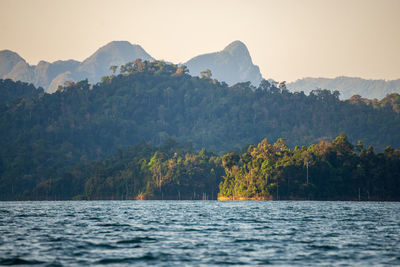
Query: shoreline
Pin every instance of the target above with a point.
(223, 198)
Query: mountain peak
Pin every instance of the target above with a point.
(113, 53)
(235, 45)
(7, 52)
(117, 44)
(120, 49)
(237, 48)
(231, 65)
(8, 59)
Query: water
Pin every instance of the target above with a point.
(196, 233)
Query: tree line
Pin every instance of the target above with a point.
(169, 172)
(329, 170)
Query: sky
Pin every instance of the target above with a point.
(287, 39)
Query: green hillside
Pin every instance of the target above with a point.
(44, 135)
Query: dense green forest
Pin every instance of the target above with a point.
(171, 171)
(334, 170)
(44, 135)
(15, 91)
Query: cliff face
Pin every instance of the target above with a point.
(8, 60)
(231, 65)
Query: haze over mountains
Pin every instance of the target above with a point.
(348, 86)
(50, 75)
(232, 65)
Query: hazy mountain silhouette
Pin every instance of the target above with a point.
(231, 65)
(50, 75)
(45, 72)
(114, 53)
(8, 60)
(21, 71)
(348, 86)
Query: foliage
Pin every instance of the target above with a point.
(171, 171)
(325, 171)
(12, 91)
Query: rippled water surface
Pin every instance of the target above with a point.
(193, 233)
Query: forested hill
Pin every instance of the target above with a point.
(43, 135)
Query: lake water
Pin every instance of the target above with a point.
(196, 233)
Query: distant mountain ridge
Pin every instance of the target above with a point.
(233, 64)
(50, 75)
(348, 86)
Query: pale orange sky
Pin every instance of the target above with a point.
(287, 39)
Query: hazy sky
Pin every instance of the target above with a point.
(286, 39)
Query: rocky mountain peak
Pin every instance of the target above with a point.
(232, 65)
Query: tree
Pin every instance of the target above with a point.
(139, 65)
(282, 87)
(206, 74)
(182, 70)
(113, 68)
(342, 145)
(265, 85)
(229, 160)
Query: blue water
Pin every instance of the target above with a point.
(200, 233)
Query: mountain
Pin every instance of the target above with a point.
(231, 65)
(115, 53)
(45, 72)
(21, 71)
(348, 86)
(50, 75)
(60, 79)
(8, 60)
